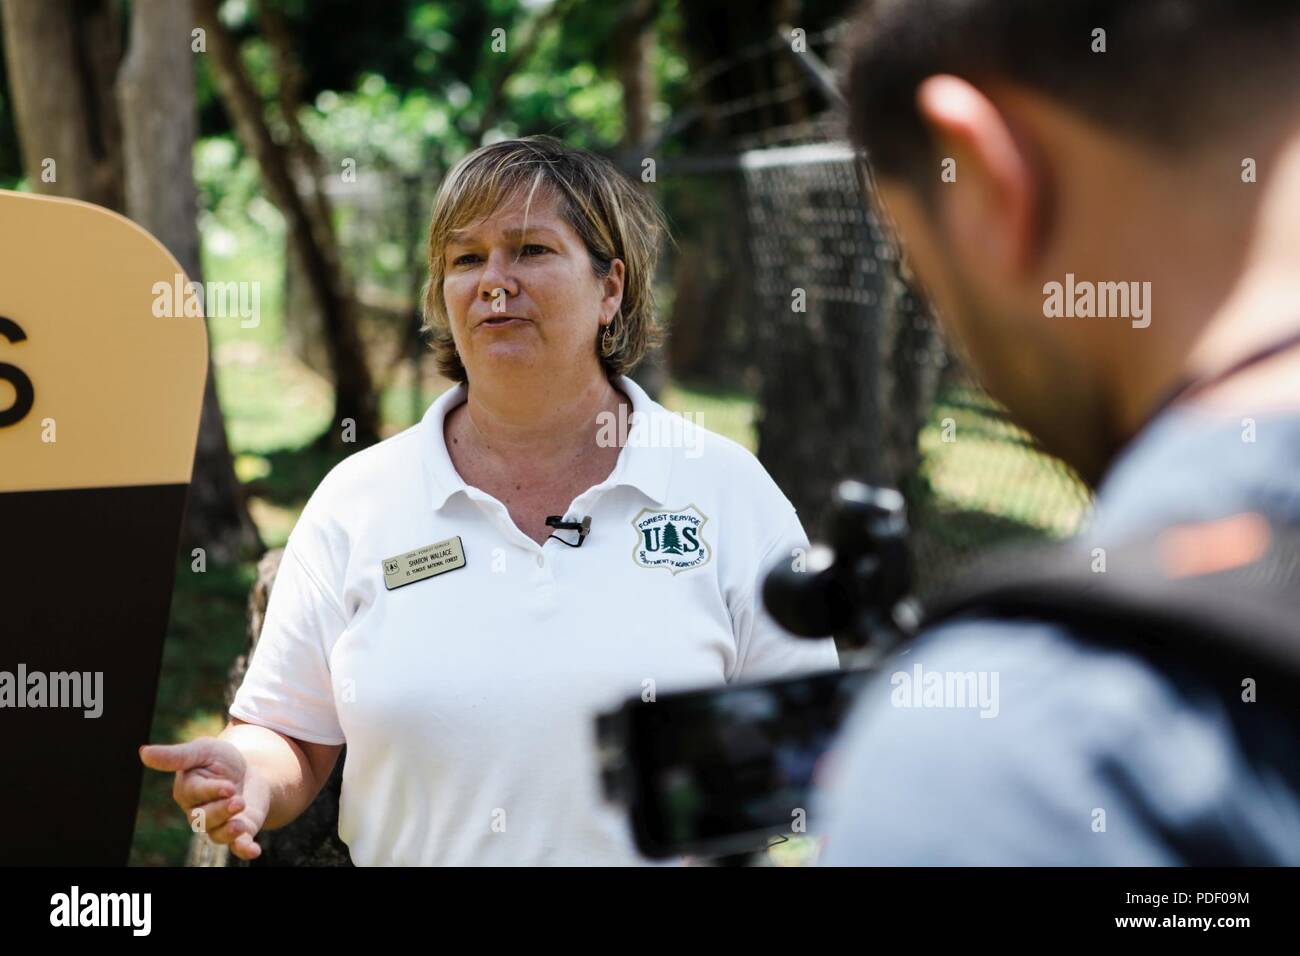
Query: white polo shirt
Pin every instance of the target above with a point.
(467, 698)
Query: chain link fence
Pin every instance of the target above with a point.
(847, 370)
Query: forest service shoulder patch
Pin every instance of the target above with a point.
(672, 539)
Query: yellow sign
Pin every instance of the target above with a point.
(96, 390)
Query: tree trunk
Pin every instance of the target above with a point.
(354, 393)
(156, 98)
(302, 152)
(61, 57)
(789, 13)
(304, 331)
(634, 43)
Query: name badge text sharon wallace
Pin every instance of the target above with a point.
(426, 562)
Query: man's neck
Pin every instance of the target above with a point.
(1216, 314)
(1204, 377)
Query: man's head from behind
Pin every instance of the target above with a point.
(1083, 186)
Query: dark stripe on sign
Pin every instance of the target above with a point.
(80, 574)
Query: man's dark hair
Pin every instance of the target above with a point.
(1175, 73)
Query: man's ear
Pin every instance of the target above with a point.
(992, 211)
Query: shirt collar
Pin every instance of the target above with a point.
(643, 463)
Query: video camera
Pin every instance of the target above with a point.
(720, 772)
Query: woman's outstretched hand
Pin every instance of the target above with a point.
(219, 793)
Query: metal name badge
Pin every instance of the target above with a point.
(426, 562)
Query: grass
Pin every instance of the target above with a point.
(977, 461)
(730, 414)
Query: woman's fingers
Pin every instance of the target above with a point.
(211, 816)
(209, 778)
(238, 833)
(245, 847)
(192, 790)
(186, 756)
(234, 826)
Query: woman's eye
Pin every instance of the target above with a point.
(464, 260)
(532, 249)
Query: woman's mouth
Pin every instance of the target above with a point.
(501, 322)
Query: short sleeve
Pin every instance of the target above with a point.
(287, 687)
(764, 650)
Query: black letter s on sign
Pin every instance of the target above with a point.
(16, 377)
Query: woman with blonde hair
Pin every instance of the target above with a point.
(458, 602)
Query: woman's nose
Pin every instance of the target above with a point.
(495, 290)
(495, 277)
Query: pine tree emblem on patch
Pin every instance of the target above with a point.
(672, 539)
